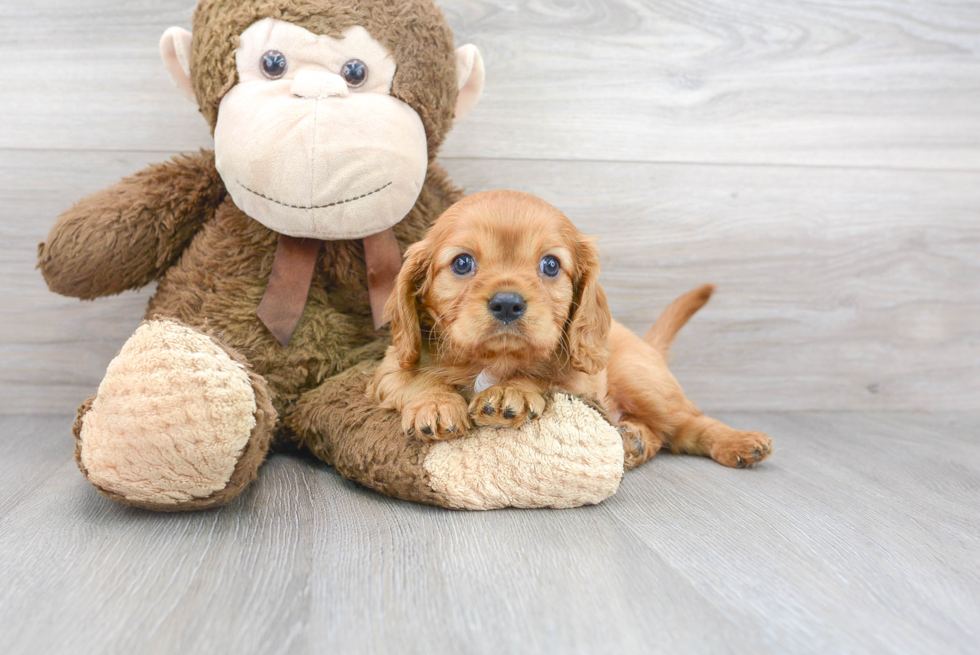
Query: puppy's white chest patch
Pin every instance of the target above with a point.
(484, 381)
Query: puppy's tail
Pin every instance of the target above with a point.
(675, 316)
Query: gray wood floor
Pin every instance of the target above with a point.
(861, 535)
(818, 159)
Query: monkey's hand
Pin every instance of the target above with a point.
(126, 236)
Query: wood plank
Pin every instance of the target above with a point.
(866, 83)
(861, 534)
(115, 579)
(307, 561)
(838, 288)
(32, 449)
(507, 581)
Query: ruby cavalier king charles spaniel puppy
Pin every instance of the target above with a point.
(500, 305)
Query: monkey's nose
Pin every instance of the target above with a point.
(311, 84)
(507, 306)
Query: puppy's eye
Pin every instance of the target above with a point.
(274, 64)
(354, 73)
(550, 266)
(463, 265)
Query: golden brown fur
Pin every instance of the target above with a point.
(445, 335)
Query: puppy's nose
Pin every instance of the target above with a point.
(507, 306)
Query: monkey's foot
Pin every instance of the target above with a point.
(179, 422)
(567, 457)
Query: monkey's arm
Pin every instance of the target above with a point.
(126, 236)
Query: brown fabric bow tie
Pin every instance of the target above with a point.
(292, 274)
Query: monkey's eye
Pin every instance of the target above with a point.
(354, 73)
(274, 64)
(550, 266)
(463, 265)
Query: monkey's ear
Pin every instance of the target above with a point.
(175, 49)
(469, 79)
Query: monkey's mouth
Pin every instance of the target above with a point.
(332, 204)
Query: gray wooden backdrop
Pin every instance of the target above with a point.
(818, 160)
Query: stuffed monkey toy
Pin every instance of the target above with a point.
(274, 255)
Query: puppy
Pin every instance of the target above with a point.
(500, 304)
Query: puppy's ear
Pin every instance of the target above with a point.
(402, 307)
(588, 328)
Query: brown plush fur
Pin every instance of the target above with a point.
(445, 335)
(175, 222)
(129, 234)
(101, 246)
(246, 470)
(414, 31)
(364, 442)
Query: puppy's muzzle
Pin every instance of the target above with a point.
(507, 306)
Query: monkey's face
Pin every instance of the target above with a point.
(310, 142)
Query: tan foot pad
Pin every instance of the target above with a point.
(568, 457)
(171, 418)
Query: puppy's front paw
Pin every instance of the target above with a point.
(436, 418)
(742, 449)
(505, 406)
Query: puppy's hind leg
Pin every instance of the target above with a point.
(701, 435)
(640, 442)
(645, 392)
(638, 391)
